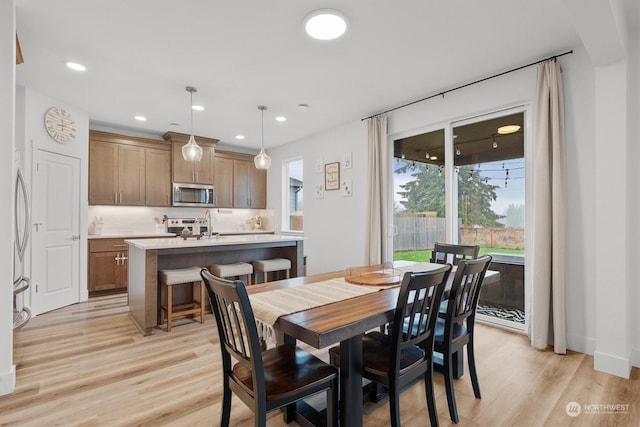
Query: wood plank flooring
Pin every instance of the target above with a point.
(87, 365)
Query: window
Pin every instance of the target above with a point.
(293, 200)
(465, 184)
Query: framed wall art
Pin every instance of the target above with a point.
(332, 176)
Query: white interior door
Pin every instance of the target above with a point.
(56, 232)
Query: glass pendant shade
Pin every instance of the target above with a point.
(262, 160)
(192, 151)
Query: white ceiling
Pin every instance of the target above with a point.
(141, 54)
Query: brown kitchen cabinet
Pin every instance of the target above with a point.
(118, 172)
(157, 177)
(223, 181)
(187, 171)
(249, 185)
(107, 272)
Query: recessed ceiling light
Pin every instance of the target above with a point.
(75, 66)
(325, 24)
(140, 118)
(281, 119)
(198, 107)
(504, 130)
(239, 136)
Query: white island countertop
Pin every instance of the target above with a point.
(179, 242)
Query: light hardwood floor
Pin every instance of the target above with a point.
(87, 365)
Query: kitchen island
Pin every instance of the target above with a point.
(147, 256)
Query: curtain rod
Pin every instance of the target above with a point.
(554, 58)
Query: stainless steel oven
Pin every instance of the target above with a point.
(176, 225)
(193, 195)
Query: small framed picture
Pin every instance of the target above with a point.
(332, 176)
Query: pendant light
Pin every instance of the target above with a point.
(191, 151)
(262, 160)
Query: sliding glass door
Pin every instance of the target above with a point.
(465, 184)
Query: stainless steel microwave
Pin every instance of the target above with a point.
(193, 195)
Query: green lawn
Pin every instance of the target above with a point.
(425, 256)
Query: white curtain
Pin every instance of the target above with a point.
(548, 316)
(377, 201)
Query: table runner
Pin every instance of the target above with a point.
(268, 306)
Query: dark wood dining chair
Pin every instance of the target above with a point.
(454, 328)
(398, 359)
(267, 380)
(446, 253)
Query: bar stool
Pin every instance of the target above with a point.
(170, 278)
(237, 269)
(269, 265)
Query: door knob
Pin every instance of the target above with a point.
(37, 224)
(75, 237)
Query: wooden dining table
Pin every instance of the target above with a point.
(343, 322)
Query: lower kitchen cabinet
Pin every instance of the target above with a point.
(107, 266)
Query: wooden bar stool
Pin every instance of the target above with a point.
(170, 278)
(268, 265)
(237, 269)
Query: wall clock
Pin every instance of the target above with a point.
(60, 125)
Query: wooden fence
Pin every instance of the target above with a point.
(420, 233)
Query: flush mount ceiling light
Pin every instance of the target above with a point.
(75, 66)
(325, 24)
(140, 118)
(262, 160)
(505, 130)
(191, 151)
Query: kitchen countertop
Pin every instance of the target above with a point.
(161, 235)
(128, 235)
(178, 242)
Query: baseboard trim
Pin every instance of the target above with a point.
(8, 381)
(614, 365)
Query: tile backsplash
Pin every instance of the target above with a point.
(143, 220)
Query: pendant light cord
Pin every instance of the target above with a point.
(191, 109)
(262, 114)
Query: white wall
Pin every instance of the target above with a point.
(334, 226)
(633, 161)
(7, 97)
(32, 136)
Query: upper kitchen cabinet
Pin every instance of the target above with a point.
(157, 177)
(249, 185)
(223, 181)
(118, 172)
(187, 171)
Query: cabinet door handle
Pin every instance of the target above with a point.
(120, 246)
(118, 259)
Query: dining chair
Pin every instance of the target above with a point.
(267, 380)
(398, 359)
(444, 253)
(454, 329)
